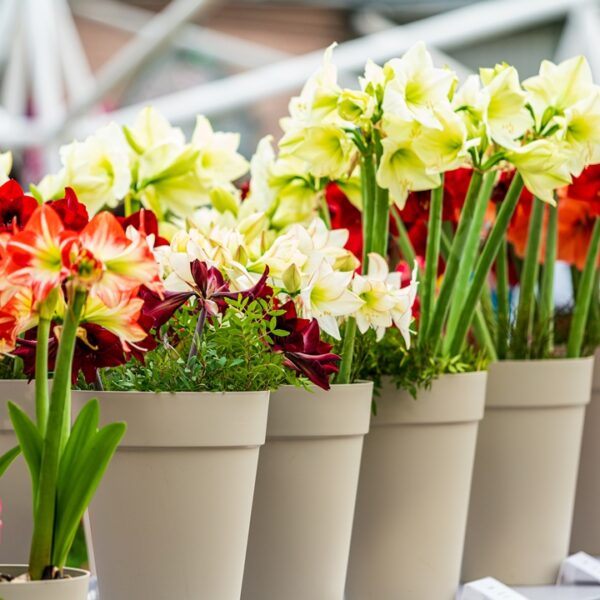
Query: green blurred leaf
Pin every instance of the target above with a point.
(7, 459)
(30, 441)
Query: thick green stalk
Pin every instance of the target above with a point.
(483, 335)
(381, 211)
(584, 295)
(525, 309)
(406, 247)
(503, 299)
(345, 373)
(547, 287)
(432, 254)
(44, 522)
(468, 256)
(368, 200)
(443, 301)
(484, 264)
(594, 313)
(42, 400)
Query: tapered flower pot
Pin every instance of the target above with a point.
(74, 587)
(16, 512)
(171, 517)
(414, 490)
(305, 493)
(526, 470)
(586, 520)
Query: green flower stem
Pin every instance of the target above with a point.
(484, 264)
(197, 340)
(44, 522)
(547, 287)
(381, 210)
(503, 298)
(584, 295)
(525, 310)
(482, 331)
(468, 255)
(594, 313)
(443, 301)
(345, 373)
(128, 205)
(432, 254)
(368, 199)
(42, 400)
(406, 247)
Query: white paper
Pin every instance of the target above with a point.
(579, 568)
(489, 589)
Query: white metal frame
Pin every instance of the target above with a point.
(42, 35)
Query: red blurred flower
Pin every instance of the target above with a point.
(72, 213)
(146, 222)
(303, 348)
(15, 207)
(344, 215)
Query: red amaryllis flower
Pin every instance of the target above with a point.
(578, 209)
(95, 348)
(208, 286)
(15, 207)
(72, 213)
(303, 348)
(344, 215)
(146, 222)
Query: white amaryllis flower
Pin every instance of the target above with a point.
(219, 161)
(326, 297)
(385, 302)
(98, 169)
(151, 129)
(416, 87)
(544, 167)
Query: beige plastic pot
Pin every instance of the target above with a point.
(305, 493)
(526, 470)
(15, 486)
(413, 492)
(171, 517)
(74, 587)
(586, 520)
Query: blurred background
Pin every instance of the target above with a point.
(68, 66)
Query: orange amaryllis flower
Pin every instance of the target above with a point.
(578, 209)
(34, 256)
(110, 263)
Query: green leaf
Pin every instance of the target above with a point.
(30, 442)
(7, 459)
(80, 485)
(82, 436)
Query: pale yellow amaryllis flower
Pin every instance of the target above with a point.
(326, 297)
(151, 129)
(356, 106)
(416, 87)
(5, 166)
(544, 167)
(506, 115)
(580, 133)
(219, 161)
(401, 170)
(559, 87)
(98, 169)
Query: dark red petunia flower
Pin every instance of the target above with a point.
(15, 207)
(303, 348)
(146, 222)
(72, 213)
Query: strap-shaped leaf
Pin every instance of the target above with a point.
(80, 439)
(80, 486)
(7, 459)
(30, 441)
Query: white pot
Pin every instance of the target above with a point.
(171, 517)
(413, 492)
(586, 520)
(305, 493)
(526, 470)
(16, 512)
(74, 587)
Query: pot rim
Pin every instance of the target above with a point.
(72, 571)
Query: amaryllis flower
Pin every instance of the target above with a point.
(303, 348)
(344, 215)
(146, 222)
(15, 207)
(8, 331)
(210, 289)
(72, 213)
